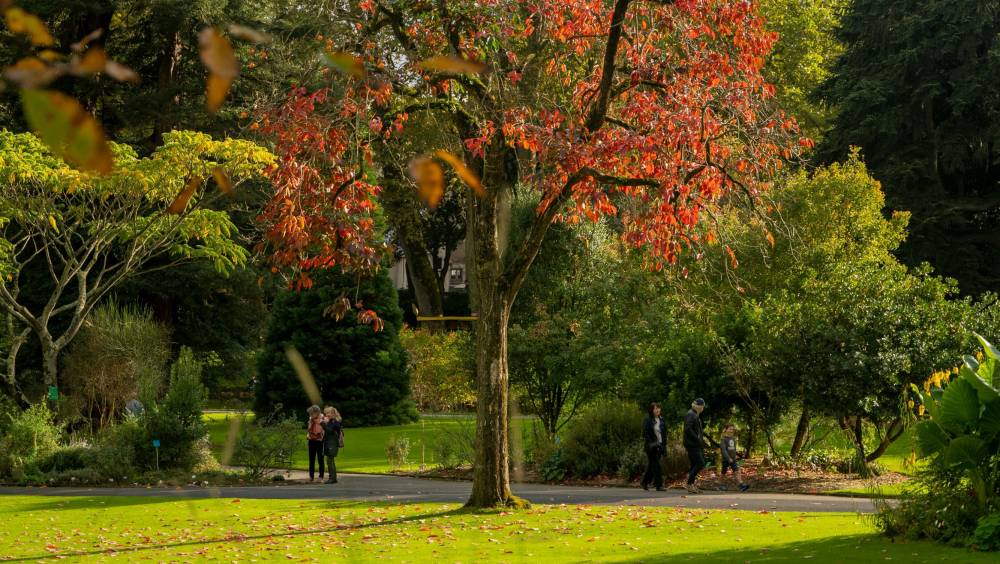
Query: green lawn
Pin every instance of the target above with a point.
(364, 448)
(127, 529)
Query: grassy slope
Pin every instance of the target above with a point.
(364, 448)
(103, 528)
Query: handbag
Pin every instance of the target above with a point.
(340, 439)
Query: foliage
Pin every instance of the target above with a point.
(86, 233)
(594, 443)
(119, 450)
(106, 362)
(30, 435)
(440, 369)
(176, 421)
(919, 99)
(64, 458)
(397, 449)
(987, 535)
(454, 447)
(266, 445)
(360, 371)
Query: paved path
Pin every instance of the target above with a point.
(368, 487)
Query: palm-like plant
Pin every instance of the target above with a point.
(962, 432)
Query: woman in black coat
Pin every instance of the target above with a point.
(331, 440)
(654, 434)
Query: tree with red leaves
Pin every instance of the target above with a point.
(651, 111)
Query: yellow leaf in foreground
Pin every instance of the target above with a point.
(454, 65)
(222, 179)
(429, 178)
(463, 171)
(19, 21)
(92, 61)
(249, 34)
(180, 203)
(345, 63)
(63, 125)
(218, 57)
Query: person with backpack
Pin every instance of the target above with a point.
(314, 433)
(694, 443)
(333, 440)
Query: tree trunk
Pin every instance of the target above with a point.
(801, 432)
(50, 366)
(894, 431)
(11, 372)
(854, 428)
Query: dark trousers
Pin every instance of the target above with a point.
(654, 472)
(696, 456)
(315, 451)
(331, 467)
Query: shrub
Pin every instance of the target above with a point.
(65, 458)
(29, 436)
(441, 369)
(115, 453)
(177, 421)
(397, 449)
(632, 462)
(596, 440)
(266, 446)
(987, 535)
(108, 358)
(455, 447)
(675, 460)
(361, 371)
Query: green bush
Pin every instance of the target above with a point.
(987, 535)
(596, 440)
(360, 371)
(267, 444)
(455, 447)
(177, 420)
(116, 451)
(632, 462)
(64, 458)
(441, 368)
(30, 435)
(397, 449)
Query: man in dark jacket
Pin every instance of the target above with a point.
(654, 434)
(694, 443)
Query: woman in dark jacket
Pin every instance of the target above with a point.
(331, 440)
(654, 434)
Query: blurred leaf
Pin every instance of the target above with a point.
(93, 61)
(120, 72)
(222, 179)
(454, 65)
(68, 129)
(79, 46)
(429, 179)
(249, 34)
(31, 72)
(19, 21)
(463, 171)
(304, 374)
(218, 57)
(345, 63)
(180, 203)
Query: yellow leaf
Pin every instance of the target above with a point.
(19, 21)
(463, 171)
(218, 57)
(80, 45)
(249, 34)
(71, 133)
(222, 180)
(180, 203)
(345, 63)
(31, 72)
(52, 222)
(92, 61)
(454, 65)
(429, 178)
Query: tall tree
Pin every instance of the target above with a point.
(649, 110)
(916, 90)
(89, 233)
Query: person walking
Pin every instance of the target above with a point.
(730, 460)
(694, 443)
(333, 439)
(653, 433)
(314, 433)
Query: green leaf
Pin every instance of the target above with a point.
(986, 392)
(965, 452)
(959, 406)
(989, 421)
(68, 130)
(931, 438)
(991, 351)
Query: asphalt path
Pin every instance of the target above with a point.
(396, 489)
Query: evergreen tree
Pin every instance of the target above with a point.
(917, 91)
(361, 372)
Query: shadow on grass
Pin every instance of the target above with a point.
(240, 538)
(852, 548)
(94, 501)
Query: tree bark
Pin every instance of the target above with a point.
(894, 431)
(801, 432)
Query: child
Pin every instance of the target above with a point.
(728, 446)
(314, 432)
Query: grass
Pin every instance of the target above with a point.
(895, 458)
(364, 447)
(170, 529)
